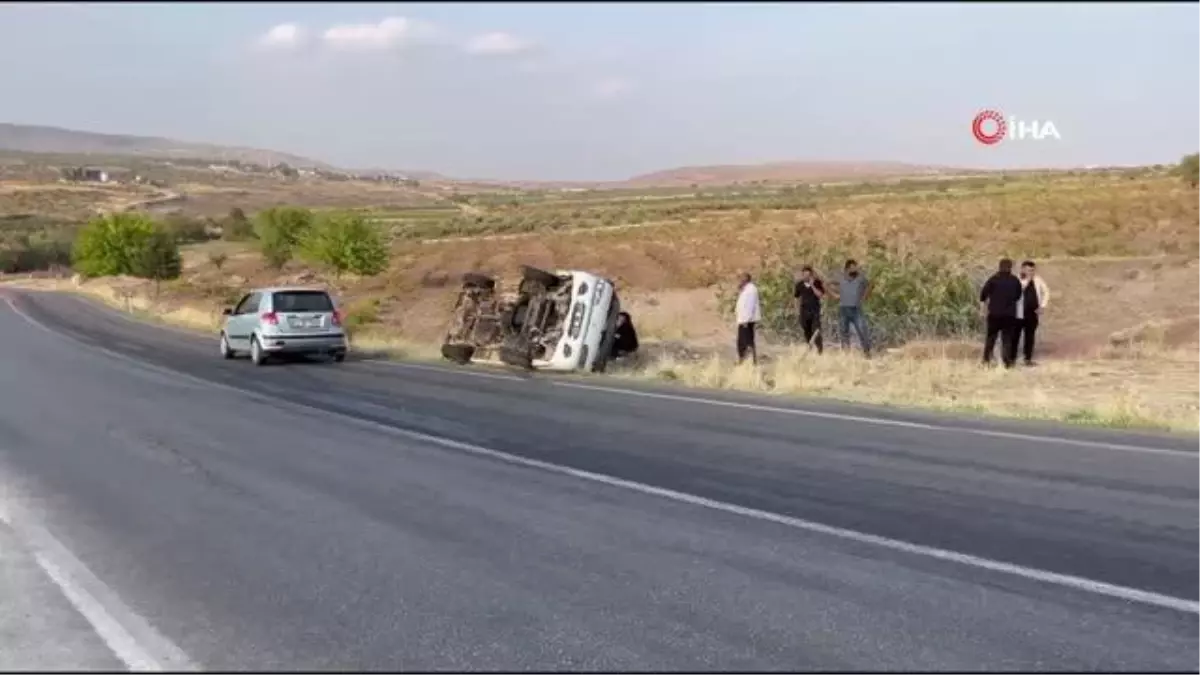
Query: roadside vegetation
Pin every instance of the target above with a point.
(1118, 247)
(915, 295)
(127, 244)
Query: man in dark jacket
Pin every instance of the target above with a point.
(998, 298)
(625, 339)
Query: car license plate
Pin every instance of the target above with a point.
(305, 323)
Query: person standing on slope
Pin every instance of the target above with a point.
(748, 315)
(998, 300)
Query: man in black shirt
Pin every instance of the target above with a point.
(809, 291)
(998, 298)
(625, 338)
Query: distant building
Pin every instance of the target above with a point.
(85, 174)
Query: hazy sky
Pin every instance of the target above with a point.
(595, 91)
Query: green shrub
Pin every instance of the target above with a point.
(126, 243)
(912, 295)
(280, 231)
(112, 244)
(346, 242)
(159, 258)
(1189, 169)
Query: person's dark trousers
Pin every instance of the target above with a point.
(810, 323)
(1005, 328)
(745, 341)
(1026, 334)
(849, 317)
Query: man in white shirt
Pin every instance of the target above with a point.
(1035, 296)
(748, 314)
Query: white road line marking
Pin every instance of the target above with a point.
(1029, 573)
(130, 637)
(436, 369)
(924, 426)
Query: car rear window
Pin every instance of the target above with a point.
(302, 301)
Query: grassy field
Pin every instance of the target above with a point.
(1119, 250)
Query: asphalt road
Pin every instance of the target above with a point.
(416, 518)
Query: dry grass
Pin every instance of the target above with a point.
(66, 201)
(131, 295)
(1114, 218)
(1152, 387)
(250, 196)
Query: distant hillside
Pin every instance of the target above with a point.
(428, 176)
(31, 138)
(58, 141)
(781, 172)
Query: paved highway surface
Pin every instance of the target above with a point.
(200, 513)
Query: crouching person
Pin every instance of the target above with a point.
(625, 339)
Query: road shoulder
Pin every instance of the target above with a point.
(1014, 429)
(40, 630)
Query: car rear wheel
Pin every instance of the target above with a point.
(257, 356)
(338, 357)
(226, 351)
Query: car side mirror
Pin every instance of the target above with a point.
(227, 311)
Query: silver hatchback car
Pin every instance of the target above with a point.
(283, 321)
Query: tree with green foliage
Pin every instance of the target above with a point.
(346, 242)
(1189, 168)
(159, 258)
(280, 231)
(111, 244)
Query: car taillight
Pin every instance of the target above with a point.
(270, 317)
(337, 317)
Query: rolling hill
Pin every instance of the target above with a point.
(729, 174)
(56, 140)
